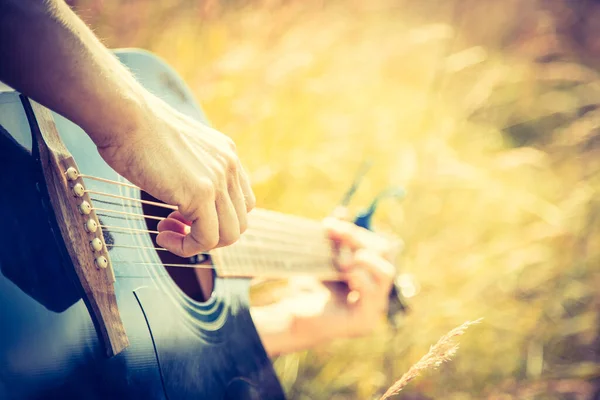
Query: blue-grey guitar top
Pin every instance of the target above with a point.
(49, 346)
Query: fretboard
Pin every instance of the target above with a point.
(277, 245)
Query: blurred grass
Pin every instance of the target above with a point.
(499, 155)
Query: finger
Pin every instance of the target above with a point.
(203, 236)
(173, 225)
(248, 194)
(381, 270)
(344, 241)
(229, 226)
(343, 258)
(239, 203)
(204, 233)
(179, 216)
(347, 234)
(361, 281)
(172, 241)
(339, 250)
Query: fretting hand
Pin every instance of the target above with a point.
(314, 312)
(358, 306)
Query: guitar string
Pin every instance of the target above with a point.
(107, 210)
(116, 196)
(129, 230)
(97, 178)
(312, 263)
(112, 203)
(233, 247)
(232, 250)
(124, 246)
(245, 270)
(251, 232)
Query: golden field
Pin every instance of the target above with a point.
(484, 111)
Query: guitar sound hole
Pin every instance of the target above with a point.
(197, 283)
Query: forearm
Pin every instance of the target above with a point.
(50, 55)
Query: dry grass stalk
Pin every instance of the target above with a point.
(439, 353)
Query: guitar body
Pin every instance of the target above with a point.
(49, 346)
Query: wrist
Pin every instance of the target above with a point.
(118, 121)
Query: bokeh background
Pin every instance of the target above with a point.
(485, 111)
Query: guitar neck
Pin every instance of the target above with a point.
(277, 245)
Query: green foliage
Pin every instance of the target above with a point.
(499, 156)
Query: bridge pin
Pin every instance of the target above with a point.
(78, 190)
(72, 174)
(85, 208)
(96, 244)
(91, 226)
(101, 262)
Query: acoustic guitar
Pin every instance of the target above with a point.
(90, 306)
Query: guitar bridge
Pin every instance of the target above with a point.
(79, 227)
